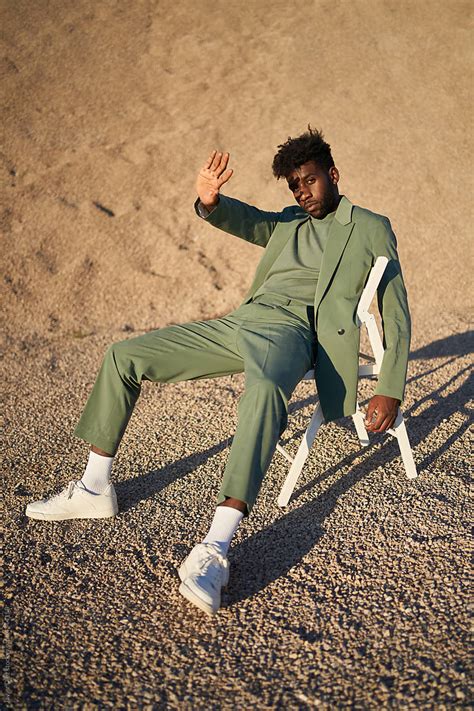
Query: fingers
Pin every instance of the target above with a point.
(383, 421)
(371, 409)
(208, 163)
(225, 177)
(217, 162)
(373, 426)
(387, 423)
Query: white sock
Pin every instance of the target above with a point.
(97, 474)
(224, 525)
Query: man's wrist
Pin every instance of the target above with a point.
(206, 209)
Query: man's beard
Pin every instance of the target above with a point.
(328, 204)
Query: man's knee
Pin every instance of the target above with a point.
(116, 350)
(266, 391)
(267, 385)
(120, 354)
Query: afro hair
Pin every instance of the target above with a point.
(296, 151)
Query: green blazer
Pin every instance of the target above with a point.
(356, 238)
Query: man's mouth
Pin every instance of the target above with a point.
(309, 203)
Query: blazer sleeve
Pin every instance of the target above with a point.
(242, 220)
(393, 306)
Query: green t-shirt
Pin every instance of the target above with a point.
(295, 272)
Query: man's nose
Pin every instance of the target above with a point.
(304, 193)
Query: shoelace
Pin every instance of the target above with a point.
(67, 491)
(212, 555)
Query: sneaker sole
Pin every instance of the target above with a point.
(66, 517)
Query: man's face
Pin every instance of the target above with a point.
(314, 188)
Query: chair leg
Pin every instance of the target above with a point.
(358, 418)
(283, 451)
(399, 431)
(301, 455)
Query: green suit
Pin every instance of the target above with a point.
(274, 340)
(356, 238)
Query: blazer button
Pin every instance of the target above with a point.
(341, 332)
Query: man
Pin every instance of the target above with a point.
(299, 313)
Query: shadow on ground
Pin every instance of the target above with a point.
(445, 401)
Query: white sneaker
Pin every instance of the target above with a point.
(75, 501)
(204, 572)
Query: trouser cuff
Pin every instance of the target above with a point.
(103, 442)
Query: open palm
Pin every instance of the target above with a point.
(211, 177)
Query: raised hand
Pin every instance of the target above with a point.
(213, 174)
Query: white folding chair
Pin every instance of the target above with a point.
(371, 368)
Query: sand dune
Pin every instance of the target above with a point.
(118, 105)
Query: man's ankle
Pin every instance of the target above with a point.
(97, 473)
(235, 504)
(224, 525)
(96, 450)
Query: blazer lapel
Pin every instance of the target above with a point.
(338, 236)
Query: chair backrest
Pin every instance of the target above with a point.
(365, 317)
(370, 288)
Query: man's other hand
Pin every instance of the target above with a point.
(381, 413)
(213, 174)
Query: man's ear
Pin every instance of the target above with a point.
(334, 175)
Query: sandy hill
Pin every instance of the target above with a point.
(116, 105)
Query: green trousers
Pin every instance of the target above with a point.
(271, 340)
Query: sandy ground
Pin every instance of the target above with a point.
(356, 595)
